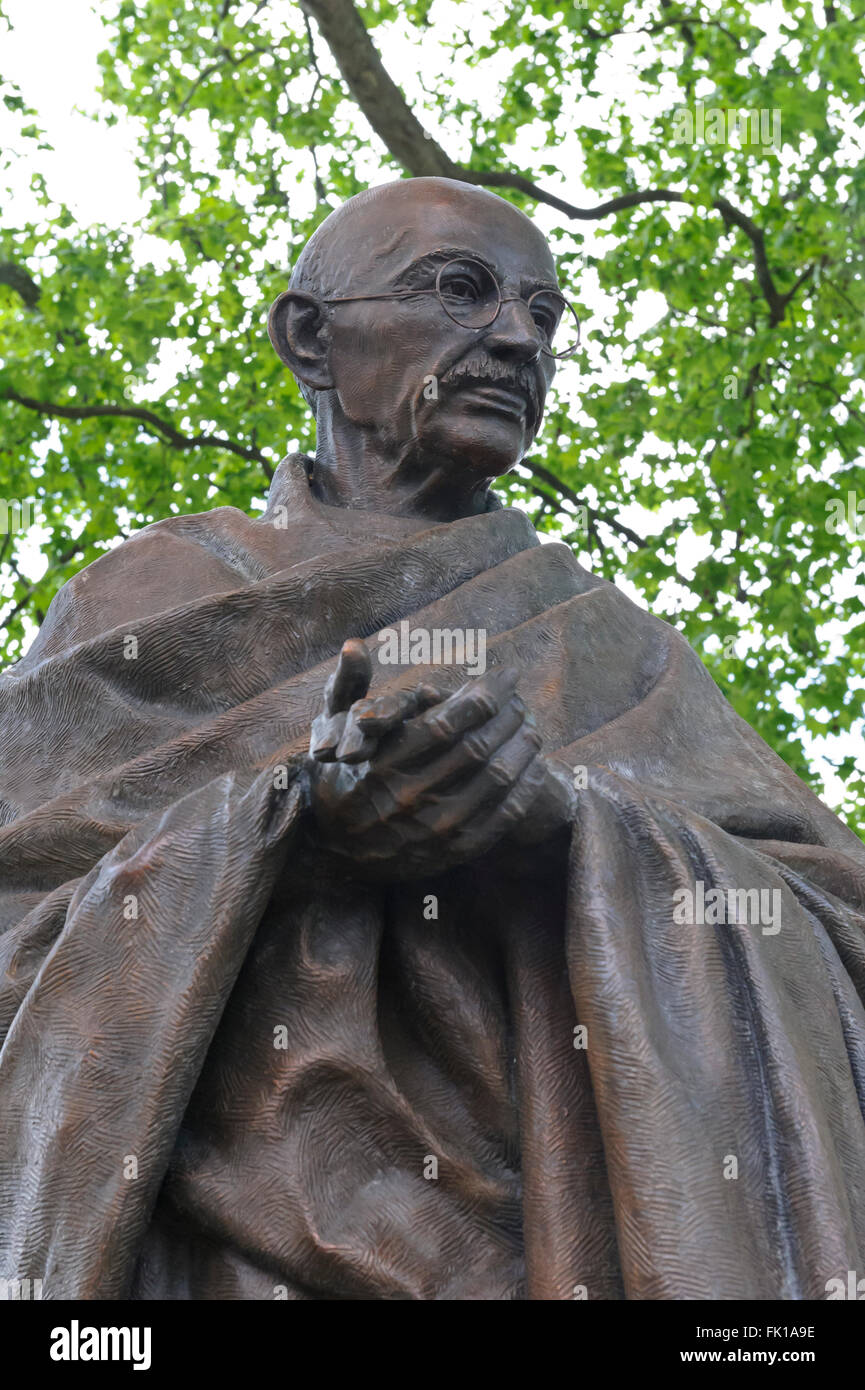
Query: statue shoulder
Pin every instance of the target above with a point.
(167, 563)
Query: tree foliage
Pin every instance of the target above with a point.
(137, 378)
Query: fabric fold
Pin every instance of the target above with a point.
(231, 1070)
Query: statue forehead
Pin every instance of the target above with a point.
(375, 235)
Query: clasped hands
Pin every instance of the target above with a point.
(415, 782)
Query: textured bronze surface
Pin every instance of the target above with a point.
(244, 1058)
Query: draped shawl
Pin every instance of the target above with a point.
(232, 1070)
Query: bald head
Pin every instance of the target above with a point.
(376, 234)
(415, 324)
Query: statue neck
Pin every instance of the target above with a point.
(353, 468)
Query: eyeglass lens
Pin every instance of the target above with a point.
(470, 295)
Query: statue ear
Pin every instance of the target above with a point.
(296, 326)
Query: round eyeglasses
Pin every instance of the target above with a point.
(471, 296)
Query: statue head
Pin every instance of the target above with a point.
(419, 323)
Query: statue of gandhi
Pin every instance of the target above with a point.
(332, 970)
(423, 324)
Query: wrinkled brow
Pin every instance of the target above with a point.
(426, 266)
(432, 260)
(529, 286)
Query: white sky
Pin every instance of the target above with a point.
(51, 53)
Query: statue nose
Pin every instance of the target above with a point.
(514, 335)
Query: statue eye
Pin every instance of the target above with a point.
(461, 287)
(546, 310)
(462, 282)
(468, 292)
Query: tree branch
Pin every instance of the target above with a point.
(683, 21)
(59, 560)
(832, 391)
(384, 106)
(594, 517)
(20, 281)
(146, 417)
(545, 476)
(375, 92)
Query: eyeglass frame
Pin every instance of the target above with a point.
(503, 299)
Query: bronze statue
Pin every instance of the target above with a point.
(337, 965)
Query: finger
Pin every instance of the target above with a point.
(474, 750)
(369, 720)
(454, 813)
(440, 728)
(325, 735)
(350, 681)
(411, 797)
(482, 833)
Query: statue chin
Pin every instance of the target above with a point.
(486, 443)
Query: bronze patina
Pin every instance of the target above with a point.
(327, 974)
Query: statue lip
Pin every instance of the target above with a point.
(509, 400)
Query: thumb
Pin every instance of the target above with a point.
(350, 681)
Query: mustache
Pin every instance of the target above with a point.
(521, 379)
